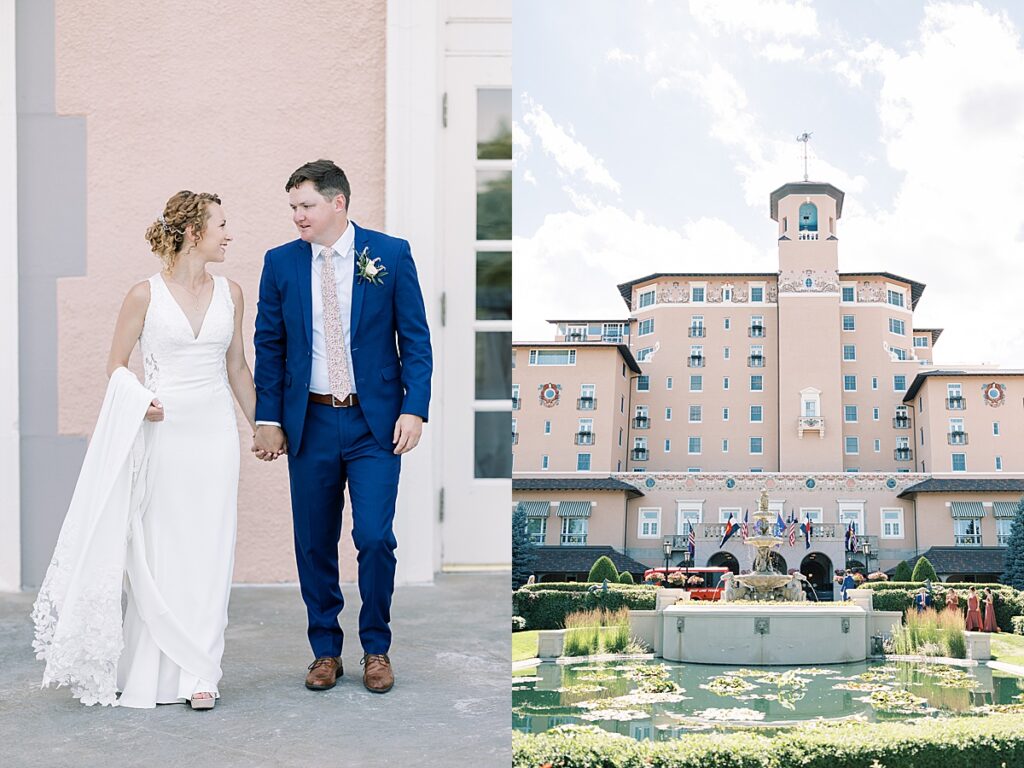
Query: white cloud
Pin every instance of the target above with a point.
(755, 19)
(571, 157)
(782, 52)
(618, 56)
(521, 142)
(593, 251)
(529, 178)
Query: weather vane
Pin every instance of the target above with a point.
(805, 137)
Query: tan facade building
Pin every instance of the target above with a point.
(809, 381)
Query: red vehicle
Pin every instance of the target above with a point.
(701, 583)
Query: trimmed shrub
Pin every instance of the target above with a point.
(1008, 601)
(547, 608)
(996, 741)
(924, 570)
(903, 572)
(603, 568)
(518, 623)
(583, 586)
(626, 578)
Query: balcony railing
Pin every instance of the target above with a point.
(810, 424)
(576, 337)
(957, 438)
(515, 438)
(957, 403)
(516, 402)
(807, 236)
(695, 361)
(756, 361)
(903, 454)
(586, 403)
(696, 331)
(967, 539)
(584, 438)
(574, 539)
(642, 422)
(901, 422)
(639, 454)
(756, 331)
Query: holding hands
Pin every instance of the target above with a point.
(269, 442)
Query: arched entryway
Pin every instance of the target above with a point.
(724, 560)
(817, 567)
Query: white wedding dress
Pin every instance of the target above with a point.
(181, 551)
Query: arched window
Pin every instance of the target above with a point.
(808, 217)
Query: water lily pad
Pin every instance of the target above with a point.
(727, 685)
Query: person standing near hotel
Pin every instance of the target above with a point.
(343, 366)
(990, 612)
(973, 611)
(952, 600)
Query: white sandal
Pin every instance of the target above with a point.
(206, 702)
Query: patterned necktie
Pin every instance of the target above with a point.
(337, 359)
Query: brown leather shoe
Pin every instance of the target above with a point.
(324, 673)
(377, 674)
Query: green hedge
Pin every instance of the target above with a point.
(899, 596)
(547, 608)
(994, 741)
(1017, 622)
(582, 586)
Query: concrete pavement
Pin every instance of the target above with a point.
(450, 705)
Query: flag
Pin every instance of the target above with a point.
(730, 529)
(691, 543)
(780, 524)
(846, 541)
(854, 544)
(792, 530)
(805, 529)
(744, 527)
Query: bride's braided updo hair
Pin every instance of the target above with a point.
(166, 235)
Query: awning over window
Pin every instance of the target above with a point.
(1004, 509)
(961, 509)
(574, 509)
(534, 508)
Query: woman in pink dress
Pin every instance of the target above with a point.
(973, 611)
(990, 612)
(952, 600)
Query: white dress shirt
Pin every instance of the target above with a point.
(344, 253)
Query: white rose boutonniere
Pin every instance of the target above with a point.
(370, 269)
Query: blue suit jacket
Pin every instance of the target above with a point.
(389, 336)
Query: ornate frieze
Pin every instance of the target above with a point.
(809, 281)
(753, 482)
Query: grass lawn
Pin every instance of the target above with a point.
(1008, 648)
(524, 645)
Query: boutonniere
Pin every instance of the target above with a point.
(370, 269)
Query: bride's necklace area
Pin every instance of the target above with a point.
(197, 296)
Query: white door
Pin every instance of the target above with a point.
(476, 527)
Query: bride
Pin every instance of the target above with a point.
(156, 498)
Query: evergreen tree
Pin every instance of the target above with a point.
(1013, 573)
(626, 578)
(603, 568)
(903, 572)
(524, 557)
(924, 570)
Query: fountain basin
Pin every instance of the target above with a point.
(786, 634)
(763, 581)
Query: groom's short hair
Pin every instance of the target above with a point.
(329, 180)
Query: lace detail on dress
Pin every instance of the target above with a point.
(151, 370)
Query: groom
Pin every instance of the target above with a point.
(342, 375)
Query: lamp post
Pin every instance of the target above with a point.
(866, 547)
(666, 547)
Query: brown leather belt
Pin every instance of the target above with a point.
(331, 400)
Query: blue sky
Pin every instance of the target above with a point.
(649, 136)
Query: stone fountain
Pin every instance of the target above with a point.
(764, 584)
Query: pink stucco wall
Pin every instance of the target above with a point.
(226, 97)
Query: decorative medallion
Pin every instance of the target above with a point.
(730, 483)
(851, 483)
(649, 482)
(810, 483)
(769, 484)
(890, 483)
(549, 394)
(995, 394)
